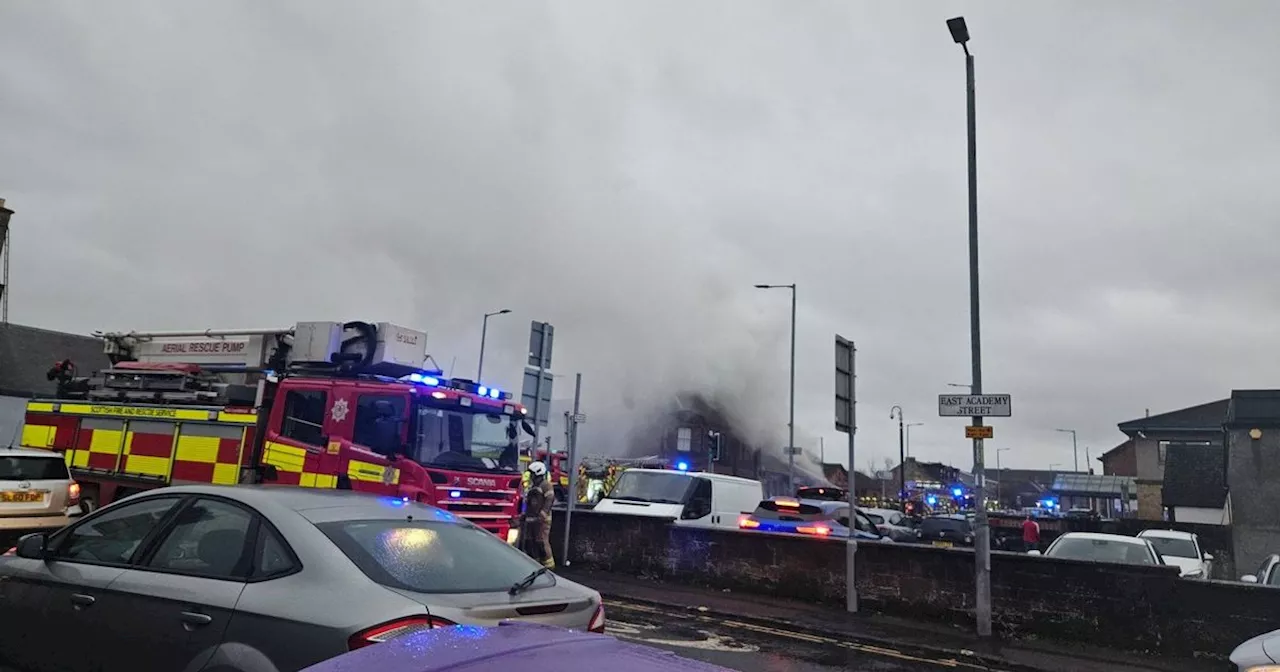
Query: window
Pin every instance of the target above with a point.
(699, 502)
(684, 439)
(432, 557)
(114, 536)
(379, 423)
(207, 538)
(52, 468)
(1161, 449)
(274, 557)
(304, 416)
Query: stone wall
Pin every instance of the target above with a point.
(1130, 608)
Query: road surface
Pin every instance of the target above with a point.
(749, 647)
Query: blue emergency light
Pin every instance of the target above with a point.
(682, 466)
(957, 491)
(425, 380)
(931, 500)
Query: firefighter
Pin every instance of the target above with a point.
(537, 515)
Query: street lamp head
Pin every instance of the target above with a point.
(959, 31)
(504, 311)
(764, 286)
(896, 411)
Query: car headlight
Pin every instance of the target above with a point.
(1263, 668)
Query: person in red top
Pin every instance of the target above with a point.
(1030, 535)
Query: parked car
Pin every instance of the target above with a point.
(1258, 654)
(892, 524)
(36, 492)
(812, 517)
(250, 579)
(1096, 547)
(1182, 550)
(523, 646)
(1268, 573)
(946, 531)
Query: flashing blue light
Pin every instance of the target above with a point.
(495, 394)
(425, 380)
(455, 494)
(482, 391)
(682, 466)
(931, 500)
(394, 501)
(957, 491)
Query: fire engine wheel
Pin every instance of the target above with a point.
(89, 500)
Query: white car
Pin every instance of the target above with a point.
(36, 492)
(1259, 654)
(1268, 573)
(1095, 547)
(1181, 550)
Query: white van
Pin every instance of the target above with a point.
(693, 499)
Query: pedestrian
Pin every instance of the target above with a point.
(538, 500)
(1030, 535)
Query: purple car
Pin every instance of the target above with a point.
(527, 647)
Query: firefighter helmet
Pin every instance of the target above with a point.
(537, 469)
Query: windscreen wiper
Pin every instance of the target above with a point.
(527, 581)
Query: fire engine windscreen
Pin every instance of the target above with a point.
(465, 441)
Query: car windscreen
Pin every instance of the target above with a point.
(937, 525)
(1180, 548)
(772, 510)
(875, 518)
(652, 486)
(32, 469)
(431, 557)
(1101, 550)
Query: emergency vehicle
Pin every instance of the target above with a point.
(318, 405)
(597, 474)
(555, 467)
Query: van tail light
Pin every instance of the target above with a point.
(819, 530)
(73, 494)
(597, 620)
(748, 523)
(397, 628)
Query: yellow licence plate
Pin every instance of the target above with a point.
(21, 495)
(943, 544)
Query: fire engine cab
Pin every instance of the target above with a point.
(318, 405)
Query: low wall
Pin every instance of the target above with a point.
(1123, 607)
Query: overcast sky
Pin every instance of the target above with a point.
(628, 170)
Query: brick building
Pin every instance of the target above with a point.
(1144, 453)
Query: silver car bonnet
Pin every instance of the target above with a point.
(1260, 650)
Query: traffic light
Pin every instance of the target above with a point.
(713, 446)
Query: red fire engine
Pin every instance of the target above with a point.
(319, 405)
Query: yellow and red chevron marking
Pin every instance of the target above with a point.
(316, 468)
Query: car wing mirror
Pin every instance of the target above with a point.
(1249, 578)
(1033, 552)
(1208, 556)
(34, 546)
(528, 428)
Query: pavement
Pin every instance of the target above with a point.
(820, 636)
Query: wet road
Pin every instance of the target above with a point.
(749, 647)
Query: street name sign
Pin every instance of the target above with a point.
(975, 405)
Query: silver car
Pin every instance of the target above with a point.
(261, 579)
(36, 492)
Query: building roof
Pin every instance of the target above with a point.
(1127, 443)
(26, 353)
(1194, 475)
(1254, 408)
(1094, 485)
(1204, 418)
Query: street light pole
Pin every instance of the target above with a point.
(999, 474)
(902, 454)
(1075, 452)
(982, 533)
(791, 410)
(484, 331)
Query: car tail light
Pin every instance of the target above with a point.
(820, 530)
(597, 620)
(748, 523)
(397, 628)
(11, 552)
(73, 494)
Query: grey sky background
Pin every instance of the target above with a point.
(628, 170)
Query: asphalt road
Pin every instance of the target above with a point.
(749, 647)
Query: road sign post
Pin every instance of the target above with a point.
(541, 335)
(846, 421)
(571, 497)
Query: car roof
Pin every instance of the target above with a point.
(878, 512)
(317, 504)
(31, 452)
(1167, 534)
(947, 516)
(1098, 536)
(700, 474)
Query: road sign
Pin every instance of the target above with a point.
(541, 336)
(983, 432)
(531, 390)
(844, 385)
(794, 450)
(975, 405)
(579, 418)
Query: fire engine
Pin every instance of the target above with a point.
(318, 405)
(555, 467)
